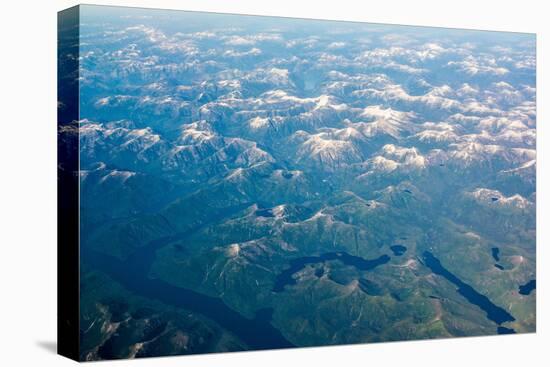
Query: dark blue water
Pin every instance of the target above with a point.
(494, 313)
(285, 277)
(528, 287)
(257, 333)
(287, 175)
(495, 251)
(267, 213)
(398, 250)
(504, 330)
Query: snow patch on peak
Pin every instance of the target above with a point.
(406, 157)
(328, 152)
(496, 198)
(384, 121)
(378, 112)
(233, 250)
(258, 122)
(196, 132)
(380, 163)
(121, 176)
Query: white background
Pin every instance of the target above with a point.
(28, 182)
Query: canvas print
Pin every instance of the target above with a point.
(249, 183)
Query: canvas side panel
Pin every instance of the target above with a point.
(67, 184)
